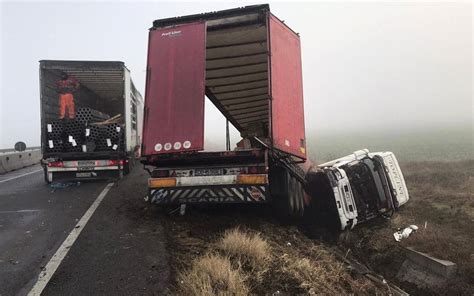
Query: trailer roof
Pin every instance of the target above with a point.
(105, 78)
(208, 16)
(237, 77)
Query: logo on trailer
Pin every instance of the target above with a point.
(187, 144)
(158, 147)
(168, 146)
(171, 34)
(177, 146)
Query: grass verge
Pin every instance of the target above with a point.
(442, 198)
(247, 251)
(212, 275)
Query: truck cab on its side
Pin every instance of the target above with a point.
(357, 187)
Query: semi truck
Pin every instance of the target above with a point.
(355, 188)
(102, 139)
(247, 62)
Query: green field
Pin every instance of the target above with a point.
(431, 144)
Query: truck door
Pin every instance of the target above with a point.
(174, 98)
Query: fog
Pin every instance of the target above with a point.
(366, 66)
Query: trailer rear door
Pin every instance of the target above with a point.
(174, 99)
(286, 90)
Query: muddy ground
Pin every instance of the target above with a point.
(441, 195)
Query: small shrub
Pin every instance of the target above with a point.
(212, 275)
(316, 277)
(249, 250)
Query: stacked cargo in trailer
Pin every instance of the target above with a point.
(101, 134)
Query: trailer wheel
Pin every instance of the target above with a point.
(297, 195)
(45, 174)
(287, 195)
(321, 215)
(126, 168)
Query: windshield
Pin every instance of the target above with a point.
(367, 187)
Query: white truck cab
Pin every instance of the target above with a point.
(360, 186)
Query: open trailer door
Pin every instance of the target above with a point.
(174, 98)
(287, 109)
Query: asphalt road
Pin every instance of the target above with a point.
(121, 250)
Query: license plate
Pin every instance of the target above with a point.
(85, 168)
(86, 163)
(84, 175)
(208, 172)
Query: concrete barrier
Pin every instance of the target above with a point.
(17, 160)
(426, 271)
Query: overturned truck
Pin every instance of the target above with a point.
(247, 62)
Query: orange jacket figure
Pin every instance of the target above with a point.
(65, 87)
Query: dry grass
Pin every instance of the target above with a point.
(316, 277)
(262, 256)
(301, 265)
(321, 273)
(212, 275)
(248, 250)
(442, 196)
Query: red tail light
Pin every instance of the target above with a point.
(114, 162)
(56, 164)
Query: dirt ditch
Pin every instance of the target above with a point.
(297, 265)
(303, 262)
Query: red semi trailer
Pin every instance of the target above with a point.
(248, 63)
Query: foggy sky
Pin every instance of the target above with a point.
(365, 65)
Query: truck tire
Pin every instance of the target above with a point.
(126, 168)
(321, 213)
(287, 195)
(297, 195)
(45, 174)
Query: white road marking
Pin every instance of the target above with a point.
(16, 177)
(62, 251)
(19, 211)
